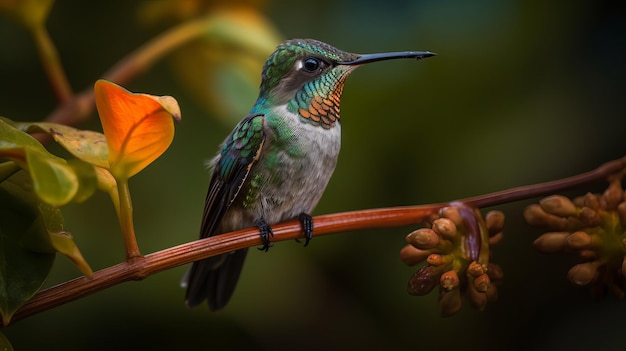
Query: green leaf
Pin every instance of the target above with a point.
(63, 242)
(53, 238)
(56, 181)
(22, 271)
(13, 138)
(88, 179)
(47, 234)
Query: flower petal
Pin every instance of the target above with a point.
(138, 127)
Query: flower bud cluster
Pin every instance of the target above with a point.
(456, 249)
(591, 226)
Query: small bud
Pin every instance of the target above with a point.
(579, 201)
(481, 283)
(492, 293)
(551, 241)
(589, 217)
(477, 299)
(476, 269)
(583, 273)
(496, 238)
(495, 222)
(445, 227)
(572, 224)
(536, 216)
(579, 240)
(439, 260)
(558, 205)
(449, 280)
(423, 281)
(452, 212)
(411, 255)
(423, 238)
(495, 272)
(613, 195)
(588, 255)
(591, 200)
(449, 302)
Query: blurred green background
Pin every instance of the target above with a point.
(521, 92)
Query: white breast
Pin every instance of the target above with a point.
(300, 185)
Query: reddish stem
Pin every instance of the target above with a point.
(140, 267)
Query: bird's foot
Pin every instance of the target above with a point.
(266, 232)
(307, 226)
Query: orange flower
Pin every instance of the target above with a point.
(138, 127)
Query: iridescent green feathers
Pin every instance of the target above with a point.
(313, 94)
(242, 147)
(282, 60)
(280, 72)
(237, 156)
(318, 100)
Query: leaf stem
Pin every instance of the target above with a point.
(125, 215)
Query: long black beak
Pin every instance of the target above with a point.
(367, 58)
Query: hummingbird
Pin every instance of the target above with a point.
(277, 161)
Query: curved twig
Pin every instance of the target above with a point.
(141, 267)
(77, 109)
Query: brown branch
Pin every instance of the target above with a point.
(141, 267)
(601, 173)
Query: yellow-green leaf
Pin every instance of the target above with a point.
(88, 179)
(64, 243)
(11, 137)
(54, 180)
(86, 145)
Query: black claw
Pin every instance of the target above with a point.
(266, 231)
(307, 226)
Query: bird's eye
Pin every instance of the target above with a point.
(311, 64)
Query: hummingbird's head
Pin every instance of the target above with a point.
(308, 75)
(296, 62)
